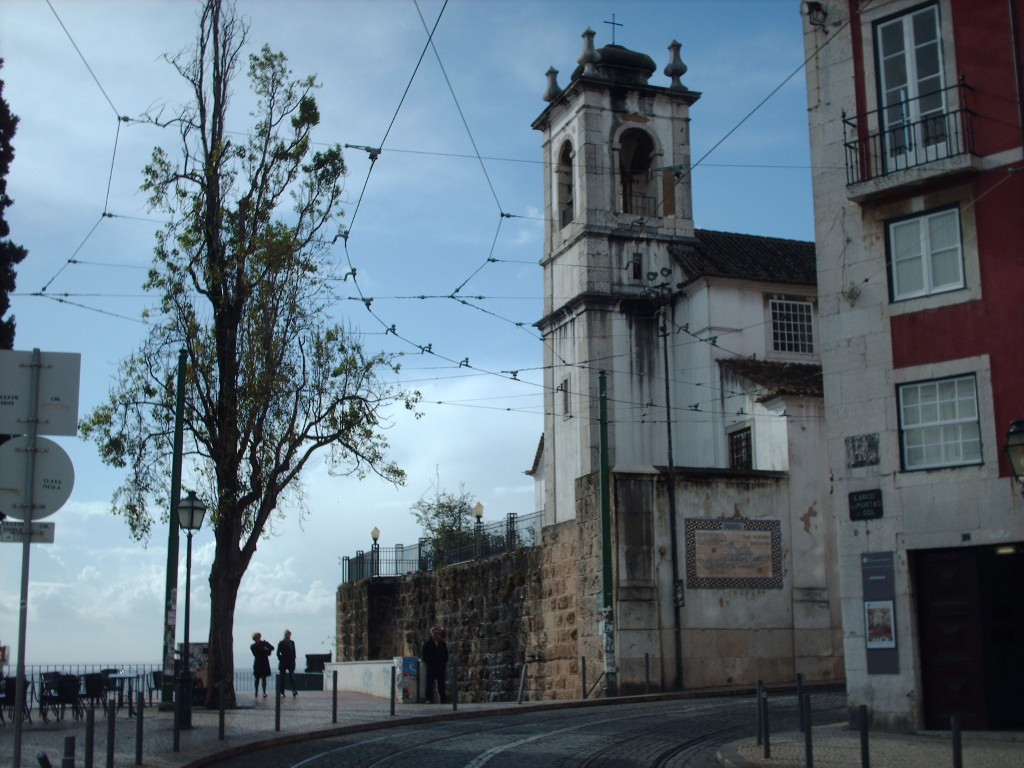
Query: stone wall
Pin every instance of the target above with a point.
(497, 613)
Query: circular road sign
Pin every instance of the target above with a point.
(54, 478)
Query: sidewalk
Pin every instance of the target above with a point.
(838, 746)
(252, 722)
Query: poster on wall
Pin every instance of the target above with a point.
(879, 626)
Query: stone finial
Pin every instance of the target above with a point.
(675, 68)
(553, 89)
(590, 55)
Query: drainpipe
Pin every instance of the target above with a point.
(607, 611)
(1015, 40)
(677, 593)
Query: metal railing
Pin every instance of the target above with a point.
(907, 134)
(471, 543)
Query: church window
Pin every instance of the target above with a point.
(566, 204)
(741, 451)
(792, 326)
(636, 152)
(635, 267)
(566, 402)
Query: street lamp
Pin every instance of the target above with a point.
(375, 552)
(190, 517)
(478, 513)
(1015, 450)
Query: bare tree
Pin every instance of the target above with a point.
(245, 288)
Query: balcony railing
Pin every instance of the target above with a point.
(908, 134)
(471, 543)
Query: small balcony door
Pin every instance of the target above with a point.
(912, 89)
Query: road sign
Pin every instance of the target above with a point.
(42, 533)
(54, 478)
(59, 374)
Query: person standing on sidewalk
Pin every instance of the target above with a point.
(261, 651)
(286, 662)
(435, 658)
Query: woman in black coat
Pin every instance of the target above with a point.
(261, 651)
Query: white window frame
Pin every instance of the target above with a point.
(940, 423)
(904, 250)
(795, 337)
(913, 108)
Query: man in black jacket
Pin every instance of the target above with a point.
(435, 658)
(286, 663)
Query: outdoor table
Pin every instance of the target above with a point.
(123, 680)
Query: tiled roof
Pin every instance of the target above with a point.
(800, 379)
(747, 257)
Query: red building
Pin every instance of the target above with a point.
(916, 113)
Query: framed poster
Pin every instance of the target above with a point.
(879, 625)
(734, 553)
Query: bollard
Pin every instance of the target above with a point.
(111, 714)
(757, 706)
(647, 673)
(176, 741)
(765, 727)
(455, 682)
(583, 675)
(958, 757)
(221, 706)
(68, 761)
(394, 692)
(44, 761)
(522, 685)
(138, 729)
(90, 735)
(862, 717)
(334, 696)
(278, 691)
(808, 746)
(800, 701)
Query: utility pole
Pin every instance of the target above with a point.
(171, 589)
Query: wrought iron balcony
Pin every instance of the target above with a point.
(908, 134)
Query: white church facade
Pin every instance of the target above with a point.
(683, 401)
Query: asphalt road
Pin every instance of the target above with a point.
(663, 734)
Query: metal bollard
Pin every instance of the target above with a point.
(138, 729)
(221, 706)
(455, 682)
(958, 757)
(90, 735)
(111, 714)
(522, 685)
(757, 706)
(176, 741)
(44, 761)
(68, 761)
(334, 695)
(278, 691)
(394, 692)
(765, 726)
(808, 745)
(647, 673)
(862, 717)
(800, 701)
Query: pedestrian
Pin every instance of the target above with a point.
(261, 651)
(435, 659)
(286, 662)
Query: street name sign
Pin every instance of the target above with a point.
(42, 533)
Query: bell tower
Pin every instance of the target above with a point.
(617, 195)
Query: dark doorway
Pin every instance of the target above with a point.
(970, 604)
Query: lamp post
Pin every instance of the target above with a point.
(375, 552)
(1015, 450)
(478, 529)
(190, 517)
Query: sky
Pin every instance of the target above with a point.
(454, 203)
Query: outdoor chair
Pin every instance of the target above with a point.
(7, 703)
(57, 694)
(94, 689)
(156, 681)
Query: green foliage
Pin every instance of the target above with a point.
(244, 281)
(446, 518)
(10, 254)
